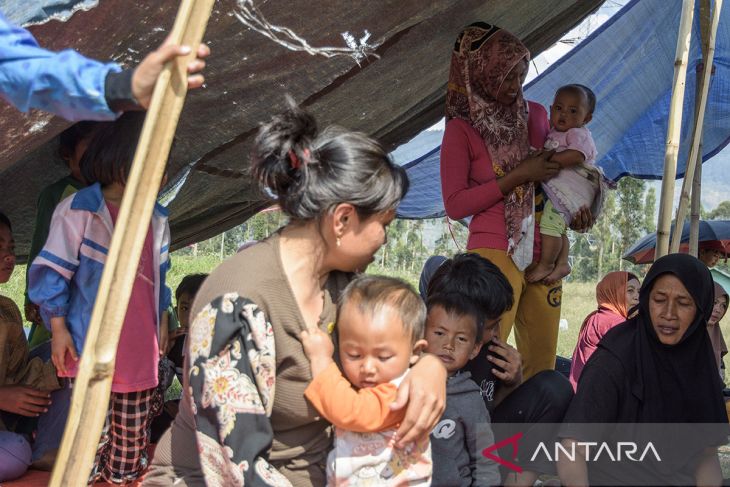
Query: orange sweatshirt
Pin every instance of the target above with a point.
(362, 411)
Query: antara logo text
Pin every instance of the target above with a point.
(591, 451)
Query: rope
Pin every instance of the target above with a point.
(251, 17)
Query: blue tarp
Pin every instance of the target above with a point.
(629, 63)
(28, 12)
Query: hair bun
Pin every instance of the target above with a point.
(294, 129)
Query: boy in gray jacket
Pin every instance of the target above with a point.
(458, 323)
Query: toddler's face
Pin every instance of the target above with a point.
(569, 110)
(7, 253)
(183, 309)
(374, 349)
(452, 338)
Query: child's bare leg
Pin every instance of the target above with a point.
(562, 267)
(551, 247)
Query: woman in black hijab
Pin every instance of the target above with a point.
(657, 367)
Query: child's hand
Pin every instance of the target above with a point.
(163, 341)
(61, 343)
(318, 348)
(25, 401)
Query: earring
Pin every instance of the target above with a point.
(339, 241)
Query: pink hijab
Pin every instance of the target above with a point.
(719, 346)
(482, 58)
(612, 310)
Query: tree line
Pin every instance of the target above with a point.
(628, 214)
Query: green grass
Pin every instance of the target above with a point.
(578, 297)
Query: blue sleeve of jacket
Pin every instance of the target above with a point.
(50, 291)
(165, 265)
(65, 83)
(165, 292)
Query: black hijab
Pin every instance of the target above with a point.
(673, 383)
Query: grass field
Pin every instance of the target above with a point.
(578, 298)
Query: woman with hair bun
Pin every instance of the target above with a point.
(244, 404)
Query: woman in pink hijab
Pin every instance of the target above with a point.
(719, 309)
(616, 294)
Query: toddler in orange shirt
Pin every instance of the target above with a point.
(380, 324)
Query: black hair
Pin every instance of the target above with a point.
(580, 89)
(470, 285)
(373, 293)
(4, 220)
(109, 156)
(311, 172)
(69, 138)
(190, 284)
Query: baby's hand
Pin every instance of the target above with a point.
(318, 348)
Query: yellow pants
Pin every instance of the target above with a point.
(535, 315)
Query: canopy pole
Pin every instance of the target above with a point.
(92, 386)
(696, 205)
(673, 130)
(695, 157)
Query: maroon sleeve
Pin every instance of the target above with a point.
(538, 125)
(462, 195)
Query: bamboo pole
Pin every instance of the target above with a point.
(92, 387)
(696, 205)
(695, 156)
(674, 128)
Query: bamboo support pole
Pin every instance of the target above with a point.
(695, 157)
(696, 205)
(92, 386)
(674, 129)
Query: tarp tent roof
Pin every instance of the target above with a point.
(629, 63)
(391, 98)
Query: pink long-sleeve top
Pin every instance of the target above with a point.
(469, 184)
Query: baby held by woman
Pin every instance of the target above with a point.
(580, 183)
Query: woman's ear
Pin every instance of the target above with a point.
(418, 349)
(342, 217)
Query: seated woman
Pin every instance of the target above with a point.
(616, 294)
(719, 308)
(340, 191)
(25, 383)
(655, 368)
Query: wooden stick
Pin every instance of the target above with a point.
(674, 128)
(92, 386)
(696, 205)
(695, 155)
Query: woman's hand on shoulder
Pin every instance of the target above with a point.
(423, 391)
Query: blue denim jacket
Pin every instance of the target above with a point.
(65, 83)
